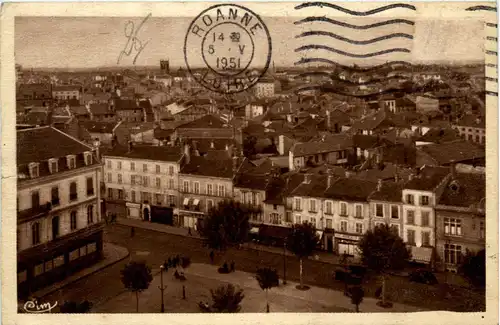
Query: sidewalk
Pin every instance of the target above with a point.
(320, 256)
(112, 254)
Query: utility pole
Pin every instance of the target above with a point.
(162, 288)
(284, 261)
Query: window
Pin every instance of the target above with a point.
(424, 200)
(209, 189)
(452, 226)
(35, 199)
(343, 226)
(379, 210)
(185, 186)
(132, 166)
(110, 193)
(171, 183)
(90, 214)
(55, 227)
(171, 170)
(71, 160)
(196, 188)
(58, 261)
(120, 194)
(288, 217)
(329, 223)
(298, 218)
(410, 217)
(395, 229)
(298, 204)
(359, 228)
(90, 186)
(394, 212)
(145, 180)
(222, 190)
(452, 254)
(426, 238)
(159, 199)
(54, 196)
(329, 209)
(22, 276)
(132, 196)
(158, 169)
(53, 166)
(481, 230)
(35, 233)
(410, 234)
(73, 195)
(312, 205)
(409, 199)
(359, 211)
(158, 182)
(275, 207)
(313, 221)
(210, 204)
(34, 170)
(144, 167)
(38, 269)
(72, 220)
(425, 218)
(110, 178)
(88, 158)
(343, 209)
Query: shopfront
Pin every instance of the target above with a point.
(347, 244)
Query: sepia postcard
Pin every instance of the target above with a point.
(249, 162)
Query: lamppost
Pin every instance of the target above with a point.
(162, 288)
(284, 261)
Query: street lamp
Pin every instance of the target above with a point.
(284, 261)
(162, 288)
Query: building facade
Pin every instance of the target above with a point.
(59, 227)
(66, 92)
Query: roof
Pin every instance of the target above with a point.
(472, 121)
(36, 118)
(256, 182)
(42, 143)
(147, 152)
(221, 168)
(363, 141)
(99, 109)
(315, 188)
(126, 104)
(66, 88)
(79, 110)
(205, 144)
(439, 135)
(99, 127)
(138, 127)
(162, 133)
(373, 121)
(328, 144)
(390, 192)
(455, 151)
(351, 189)
(279, 188)
(205, 122)
(464, 190)
(428, 178)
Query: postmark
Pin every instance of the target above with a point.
(227, 48)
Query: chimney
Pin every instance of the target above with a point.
(236, 163)
(328, 122)
(187, 153)
(478, 120)
(330, 180)
(212, 146)
(130, 146)
(307, 178)
(379, 185)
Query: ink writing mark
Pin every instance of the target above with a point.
(133, 42)
(32, 306)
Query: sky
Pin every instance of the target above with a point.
(80, 42)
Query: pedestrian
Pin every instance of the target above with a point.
(189, 231)
(212, 257)
(132, 231)
(195, 228)
(232, 266)
(169, 262)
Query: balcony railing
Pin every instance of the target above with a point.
(34, 212)
(73, 196)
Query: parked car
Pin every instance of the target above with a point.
(423, 276)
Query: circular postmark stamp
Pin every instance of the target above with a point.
(227, 48)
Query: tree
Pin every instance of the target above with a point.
(302, 241)
(226, 225)
(473, 267)
(227, 299)
(249, 146)
(357, 295)
(267, 278)
(72, 307)
(382, 250)
(136, 277)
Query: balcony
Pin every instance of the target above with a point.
(55, 202)
(73, 196)
(33, 213)
(90, 192)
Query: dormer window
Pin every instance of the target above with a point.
(53, 165)
(88, 158)
(34, 170)
(71, 159)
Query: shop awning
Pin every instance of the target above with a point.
(196, 202)
(274, 231)
(254, 230)
(186, 201)
(319, 233)
(421, 254)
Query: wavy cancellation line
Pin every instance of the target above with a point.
(351, 41)
(481, 8)
(328, 89)
(355, 69)
(361, 27)
(353, 83)
(355, 13)
(353, 55)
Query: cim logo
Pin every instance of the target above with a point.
(32, 306)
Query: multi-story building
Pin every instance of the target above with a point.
(346, 204)
(419, 196)
(264, 88)
(386, 206)
(59, 228)
(460, 219)
(251, 190)
(142, 182)
(66, 92)
(203, 183)
(472, 128)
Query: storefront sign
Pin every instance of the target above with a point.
(349, 237)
